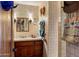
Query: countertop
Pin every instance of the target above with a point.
(27, 39)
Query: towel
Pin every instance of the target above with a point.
(42, 28)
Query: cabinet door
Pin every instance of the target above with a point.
(38, 49)
(38, 53)
(30, 51)
(27, 51)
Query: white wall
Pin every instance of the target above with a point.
(54, 16)
(23, 10)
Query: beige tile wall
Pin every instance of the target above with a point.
(54, 16)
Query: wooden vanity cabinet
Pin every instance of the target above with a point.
(32, 48)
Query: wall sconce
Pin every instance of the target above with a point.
(30, 16)
(15, 17)
(14, 20)
(30, 21)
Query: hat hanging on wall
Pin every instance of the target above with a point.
(7, 5)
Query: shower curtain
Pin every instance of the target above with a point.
(71, 27)
(72, 34)
(5, 32)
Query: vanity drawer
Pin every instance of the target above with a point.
(24, 43)
(38, 43)
(38, 47)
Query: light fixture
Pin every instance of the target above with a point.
(15, 17)
(30, 16)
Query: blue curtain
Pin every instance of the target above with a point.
(7, 5)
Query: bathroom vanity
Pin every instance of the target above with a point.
(27, 39)
(29, 47)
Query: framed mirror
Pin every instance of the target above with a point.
(22, 25)
(25, 17)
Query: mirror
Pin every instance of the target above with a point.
(22, 25)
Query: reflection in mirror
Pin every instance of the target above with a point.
(22, 25)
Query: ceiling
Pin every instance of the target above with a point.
(33, 3)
